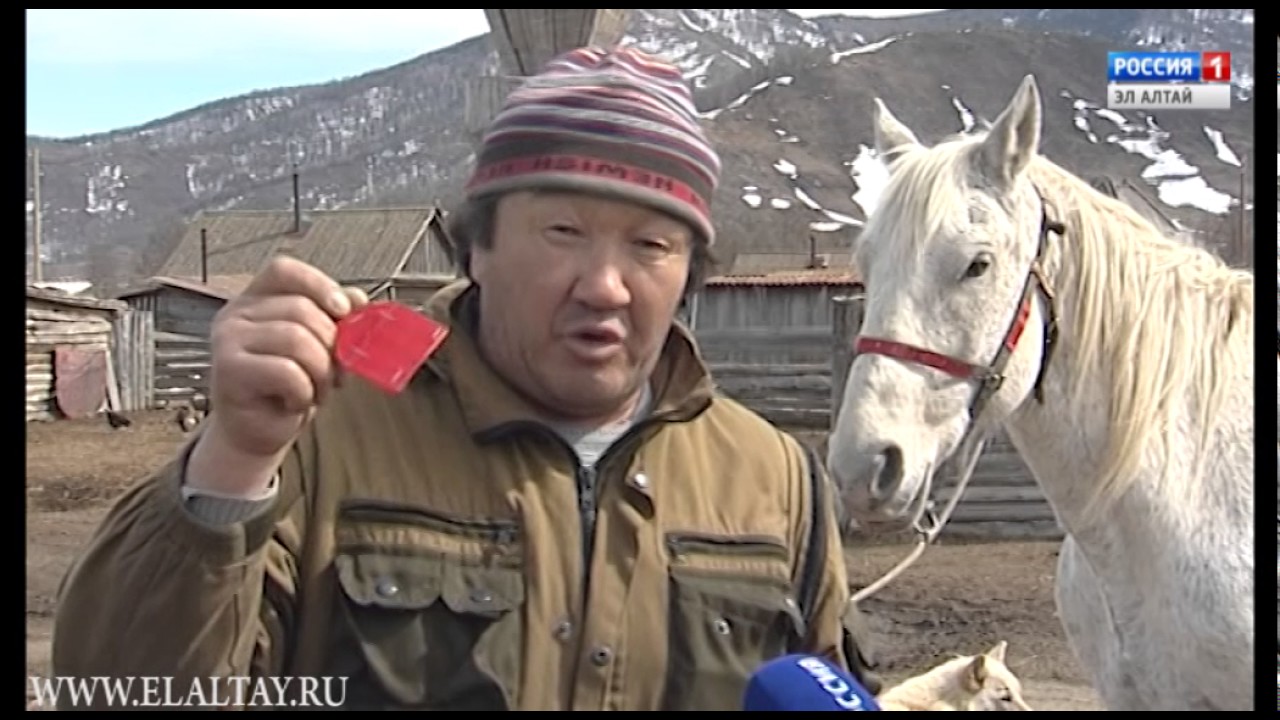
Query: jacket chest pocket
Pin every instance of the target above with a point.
(429, 612)
(731, 610)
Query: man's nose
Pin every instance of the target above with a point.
(601, 282)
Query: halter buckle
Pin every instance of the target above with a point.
(991, 380)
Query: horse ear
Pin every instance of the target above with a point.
(997, 652)
(892, 137)
(1014, 137)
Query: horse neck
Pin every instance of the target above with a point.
(1064, 442)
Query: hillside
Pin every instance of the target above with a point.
(787, 100)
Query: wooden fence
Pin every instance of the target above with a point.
(133, 354)
(791, 396)
(1002, 499)
(181, 368)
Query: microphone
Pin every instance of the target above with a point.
(805, 682)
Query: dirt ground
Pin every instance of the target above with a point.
(958, 598)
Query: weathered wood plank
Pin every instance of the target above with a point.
(765, 336)
(734, 370)
(1009, 512)
(1005, 530)
(765, 398)
(51, 340)
(170, 382)
(49, 315)
(784, 384)
(794, 418)
(986, 495)
(846, 319)
(81, 327)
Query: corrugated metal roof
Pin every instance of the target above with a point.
(349, 243)
(784, 278)
(756, 263)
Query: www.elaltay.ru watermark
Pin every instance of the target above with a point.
(169, 692)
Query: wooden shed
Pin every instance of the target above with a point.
(184, 306)
(781, 316)
(69, 368)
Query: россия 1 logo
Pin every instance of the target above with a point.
(1169, 80)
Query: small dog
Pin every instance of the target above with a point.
(972, 682)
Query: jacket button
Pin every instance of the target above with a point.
(721, 626)
(387, 588)
(563, 630)
(601, 656)
(480, 596)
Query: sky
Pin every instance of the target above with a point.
(93, 71)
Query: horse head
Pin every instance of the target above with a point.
(954, 323)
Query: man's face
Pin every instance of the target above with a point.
(578, 294)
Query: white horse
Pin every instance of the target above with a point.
(1002, 290)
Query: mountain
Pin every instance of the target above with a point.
(786, 99)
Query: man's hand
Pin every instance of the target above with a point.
(272, 367)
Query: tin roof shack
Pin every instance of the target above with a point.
(69, 342)
(357, 246)
(185, 306)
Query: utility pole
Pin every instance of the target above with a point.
(35, 218)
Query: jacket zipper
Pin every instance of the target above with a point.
(586, 480)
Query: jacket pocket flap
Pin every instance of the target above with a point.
(489, 591)
(397, 582)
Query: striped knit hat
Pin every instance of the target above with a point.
(617, 122)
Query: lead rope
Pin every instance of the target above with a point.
(970, 454)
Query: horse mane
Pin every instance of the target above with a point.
(1150, 319)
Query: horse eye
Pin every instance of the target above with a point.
(979, 266)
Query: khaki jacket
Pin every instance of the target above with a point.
(430, 549)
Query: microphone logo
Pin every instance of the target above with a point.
(845, 695)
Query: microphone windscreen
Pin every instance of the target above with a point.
(805, 682)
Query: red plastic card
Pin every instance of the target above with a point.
(386, 342)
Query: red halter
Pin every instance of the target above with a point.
(990, 376)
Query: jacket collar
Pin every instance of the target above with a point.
(681, 384)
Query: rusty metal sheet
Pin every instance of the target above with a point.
(80, 380)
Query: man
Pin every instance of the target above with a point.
(558, 512)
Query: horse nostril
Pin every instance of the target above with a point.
(887, 473)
